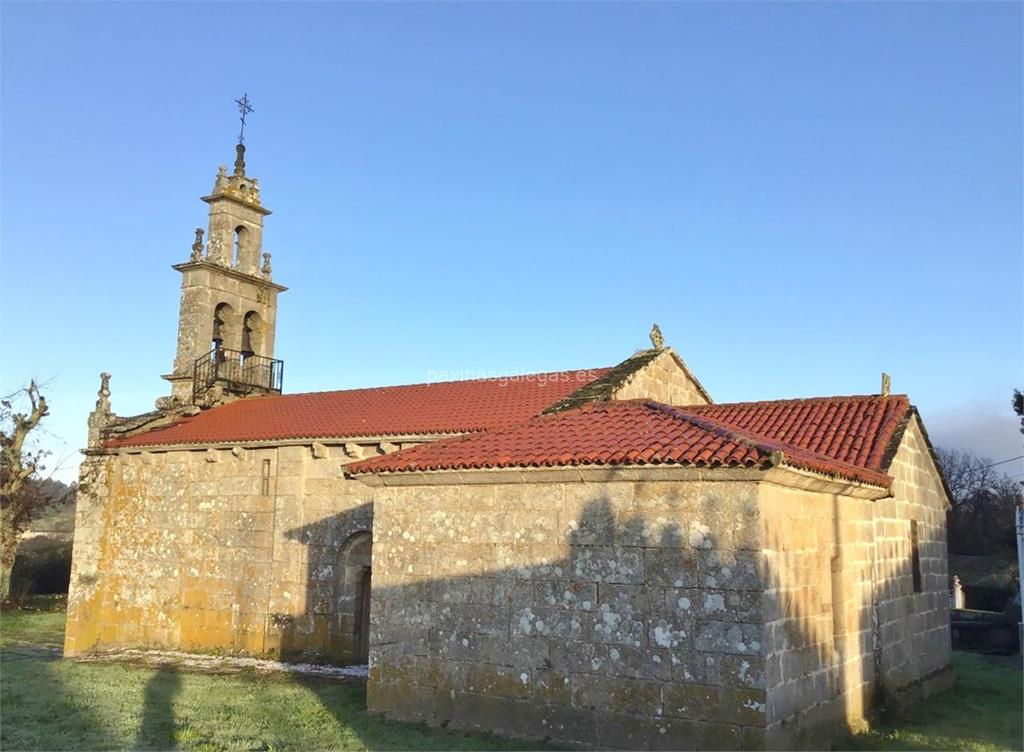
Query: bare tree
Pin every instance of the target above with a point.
(983, 499)
(966, 474)
(1018, 407)
(20, 499)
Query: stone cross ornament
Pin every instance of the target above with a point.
(244, 108)
(656, 339)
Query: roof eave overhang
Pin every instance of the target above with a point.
(784, 475)
(274, 443)
(809, 480)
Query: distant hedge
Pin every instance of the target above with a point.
(42, 567)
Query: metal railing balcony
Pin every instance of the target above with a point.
(236, 371)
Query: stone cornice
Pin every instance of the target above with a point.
(213, 197)
(190, 265)
(781, 475)
(808, 480)
(337, 441)
(569, 474)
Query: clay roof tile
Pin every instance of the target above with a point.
(841, 436)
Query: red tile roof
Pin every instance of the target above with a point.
(848, 437)
(418, 409)
(856, 430)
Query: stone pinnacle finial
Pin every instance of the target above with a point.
(221, 183)
(266, 265)
(240, 159)
(104, 390)
(656, 339)
(886, 384)
(100, 417)
(197, 246)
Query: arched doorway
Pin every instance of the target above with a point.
(354, 594)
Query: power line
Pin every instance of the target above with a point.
(1003, 462)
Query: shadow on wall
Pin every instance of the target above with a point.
(335, 569)
(630, 631)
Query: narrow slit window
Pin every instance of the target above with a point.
(239, 245)
(915, 557)
(265, 480)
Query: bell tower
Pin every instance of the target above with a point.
(228, 300)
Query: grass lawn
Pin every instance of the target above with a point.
(983, 712)
(47, 703)
(50, 704)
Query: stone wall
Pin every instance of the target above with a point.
(845, 630)
(641, 608)
(914, 626)
(775, 611)
(621, 613)
(244, 550)
(819, 550)
(636, 608)
(208, 548)
(665, 379)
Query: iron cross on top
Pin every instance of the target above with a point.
(244, 108)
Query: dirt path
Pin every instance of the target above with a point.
(222, 664)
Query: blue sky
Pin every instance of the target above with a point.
(802, 195)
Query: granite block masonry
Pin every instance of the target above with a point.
(656, 608)
(754, 575)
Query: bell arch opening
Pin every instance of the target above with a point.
(222, 320)
(251, 334)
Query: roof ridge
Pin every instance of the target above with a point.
(794, 400)
(762, 444)
(429, 408)
(505, 377)
(604, 386)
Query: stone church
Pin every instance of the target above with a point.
(603, 557)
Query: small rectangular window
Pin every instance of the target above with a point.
(915, 557)
(265, 480)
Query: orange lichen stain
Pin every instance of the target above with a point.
(100, 617)
(249, 641)
(191, 625)
(193, 596)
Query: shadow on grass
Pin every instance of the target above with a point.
(40, 711)
(157, 728)
(347, 703)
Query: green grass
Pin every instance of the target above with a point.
(996, 570)
(982, 713)
(41, 622)
(50, 704)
